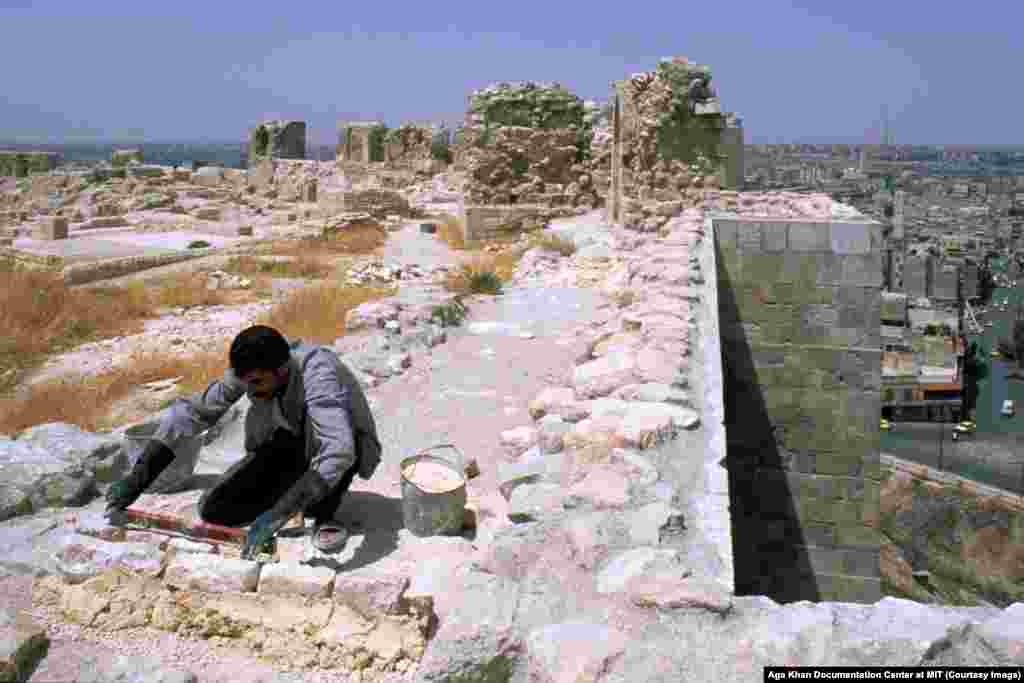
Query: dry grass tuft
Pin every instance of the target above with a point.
(297, 265)
(314, 314)
(187, 289)
(39, 315)
(317, 314)
(86, 400)
(476, 275)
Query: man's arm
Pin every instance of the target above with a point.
(328, 405)
(187, 417)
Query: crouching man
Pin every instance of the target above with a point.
(308, 432)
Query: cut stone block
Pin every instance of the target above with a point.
(669, 591)
(533, 501)
(81, 557)
(291, 578)
(647, 424)
(370, 593)
(212, 573)
(603, 376)
(604, 486)
(574, 651)
(648, 523)
(515, 441)
(184, 545)
(553, 401)
(636, 562)
(652, 392)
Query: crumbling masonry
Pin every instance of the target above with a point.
(669, 135)
(277, 140)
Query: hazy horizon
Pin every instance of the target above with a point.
(795, 72)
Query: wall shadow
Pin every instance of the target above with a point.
(769, 546)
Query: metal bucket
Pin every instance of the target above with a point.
(173, 479)
(432, 513)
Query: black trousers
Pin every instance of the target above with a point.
(254, 484)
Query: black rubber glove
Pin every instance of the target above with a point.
(306, 491)
(154, 460)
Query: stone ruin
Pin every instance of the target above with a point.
(525, 148)
(669, 135)
(361, 142)
(277, 140)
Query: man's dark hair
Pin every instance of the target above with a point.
(258, 348)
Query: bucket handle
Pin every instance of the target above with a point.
(460, 465)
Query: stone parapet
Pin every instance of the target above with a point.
(801, 332)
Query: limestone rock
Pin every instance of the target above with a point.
(515, 441)
(22, 644)
(183, 545)
(82, 557)
(133, 669)
(647, 424)
(648, 524)
(369, 315)
(603, 376)
(573, 651)
(370, 592)
(534, 501)
(604, 486)
(553, 401)
(652, 392)
(212, 573)
(617, 574)
(551, 432)
(291, 578)
(477, 640)
(670, 591)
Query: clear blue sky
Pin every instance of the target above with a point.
(804, 70)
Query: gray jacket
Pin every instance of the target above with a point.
(323, 401)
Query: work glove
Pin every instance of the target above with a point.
(154, 460)
(307, 491)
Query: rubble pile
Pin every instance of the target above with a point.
(377, 271)
(525, 143)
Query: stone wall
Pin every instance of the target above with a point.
(277, 140)
(361, 141)
(486, 222)
(668, 135)
(800, 307)
(379, 203)
(527, 143)
(22, 164)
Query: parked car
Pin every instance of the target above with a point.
(1007, 408)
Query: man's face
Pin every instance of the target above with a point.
(263, 384)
